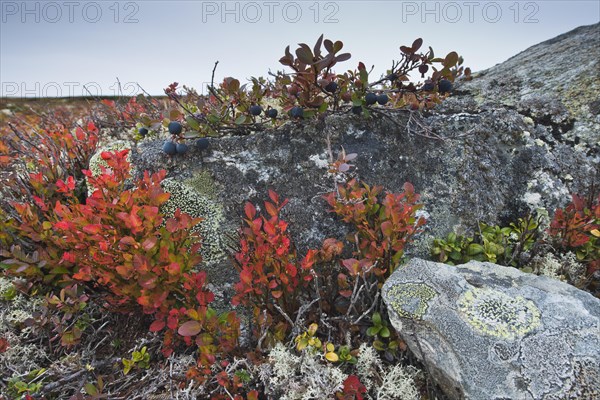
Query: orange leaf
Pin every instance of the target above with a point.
(271, 209)
(250, 210)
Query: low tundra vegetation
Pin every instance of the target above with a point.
(101, 295)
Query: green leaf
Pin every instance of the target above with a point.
(385, 332)
(174, 115)
(376, 318)
(379, 345)
(337, 46)
(474, 249)
(451, 59)
(191, 134)
(192, 123)
(128, 364)
(373, 331)
(240, 119)
(90, 389)
(305, 55)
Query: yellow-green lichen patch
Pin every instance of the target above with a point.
(189, 201)
(494, 313)
(410, 300)
(204, 184)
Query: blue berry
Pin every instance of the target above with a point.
(297, 112)
(370, 98)
(143, 132)
(170, 148)
(175, 128)
(272, 113)
(445, 86)
(202, 144)
(428, 87)
(255, 110)
(331, 87)
(182, 148)
(382, 99)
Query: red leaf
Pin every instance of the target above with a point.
(91, 127)
(387, 228)
(157, 325)
(172, 225)
(92, 229)
(3, 345)
(246, 276)
(352, 265)
(276, 293)
(149, 243)
(148, 281)
(61, 225)
(190, 328)
(291, 270)
(173, 268)
(269, 228)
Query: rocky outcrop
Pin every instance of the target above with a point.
(500, 157)
(490, 332)
(556, 83)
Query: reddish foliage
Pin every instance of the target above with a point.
(383, 226)
(3, 345)
(576, 228)
(270, 271)
(353, 389)
(119, 240)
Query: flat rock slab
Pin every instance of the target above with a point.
(490, 332)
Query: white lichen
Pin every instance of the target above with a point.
(386, 383)
(320, 160)
(291, 377)
(564, 268)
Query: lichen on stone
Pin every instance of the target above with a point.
(410, 300)
(191, 202)
(204, 184)
(494, 313)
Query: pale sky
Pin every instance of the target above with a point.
(54, 48)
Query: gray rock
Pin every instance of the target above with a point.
(490, 332)
(497, 163)
(556, 83)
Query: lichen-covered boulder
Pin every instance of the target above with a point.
(497, 163)
(490, 332)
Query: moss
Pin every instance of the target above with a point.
(494, 313)
(410, 300)
(190, 201)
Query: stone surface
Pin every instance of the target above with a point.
(556, 83)
(490, 332)
(500, 160)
